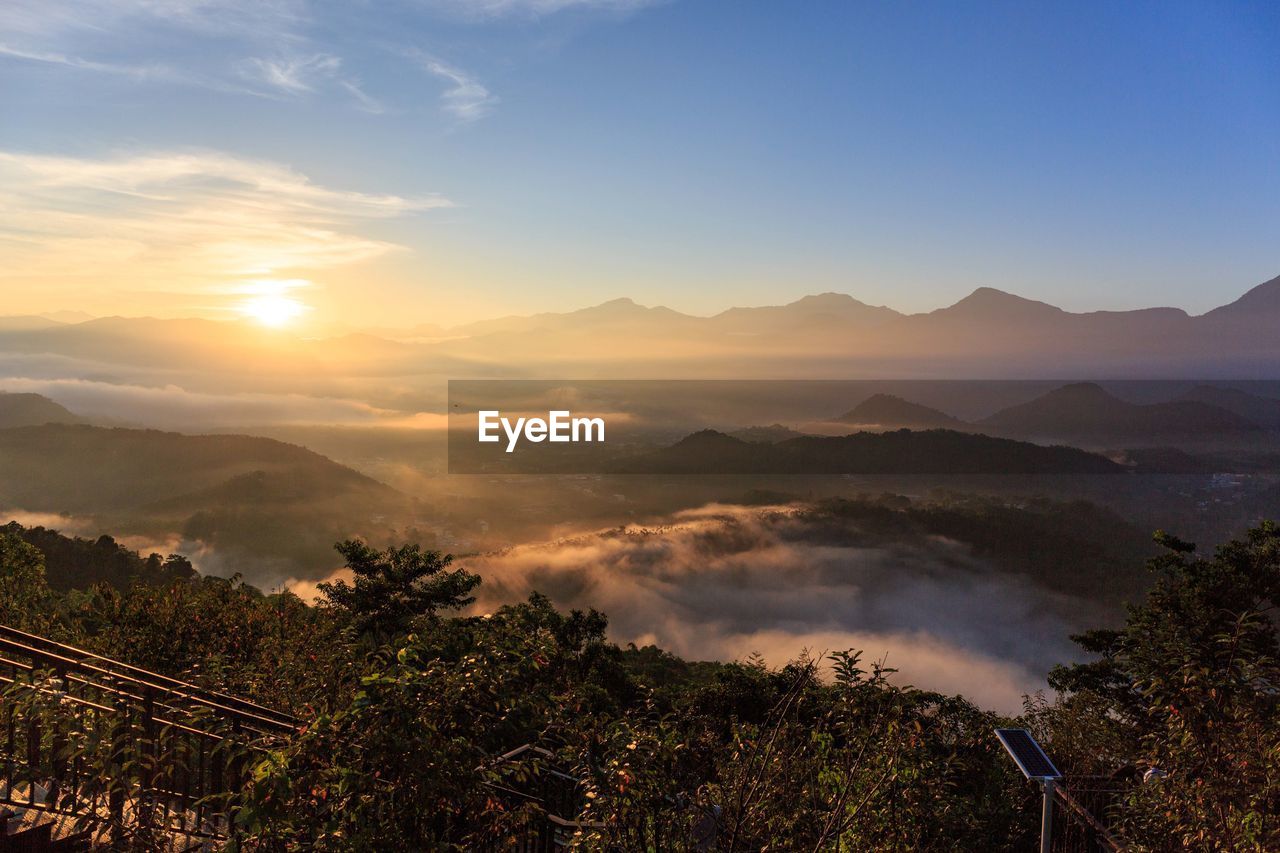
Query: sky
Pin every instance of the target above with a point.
(345, 163)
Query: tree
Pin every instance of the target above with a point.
(1192, 682)
(26, 602)
(392, 590)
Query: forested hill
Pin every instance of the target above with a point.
(86, 469)
(234, 503)
(935, 451)
(32, 410)
(73, 562)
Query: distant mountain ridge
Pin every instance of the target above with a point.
(892, 410)
(22, 409)
(1264, 411)
(899, 452)
(1084, 408)
(987, 334)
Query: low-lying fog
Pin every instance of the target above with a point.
(722, 582)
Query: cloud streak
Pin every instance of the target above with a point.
(296, 74)
(483, 9)
(465, 98)
(88, 37)
(173, 407)
(188, 219)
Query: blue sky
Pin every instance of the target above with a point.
(441, 160)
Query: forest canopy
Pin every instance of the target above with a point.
(407, 707)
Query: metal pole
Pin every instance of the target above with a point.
(1046, 818)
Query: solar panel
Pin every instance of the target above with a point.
(1030, 758)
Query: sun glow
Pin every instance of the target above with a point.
(272, 309)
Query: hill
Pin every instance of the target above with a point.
(1087, 410)
(900, 452)
(18, 410)
(78, 468)
(889, 410)
(231, 503)
(1264, 411)
(771, 434)
(74, 562)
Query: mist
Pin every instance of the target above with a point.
(723, 582)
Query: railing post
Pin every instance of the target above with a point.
(151, 764)
(117, 784)
(58, 740)
(1046, 818)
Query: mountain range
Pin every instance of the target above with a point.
(988, 334)
(1085, 410)
(904, 451)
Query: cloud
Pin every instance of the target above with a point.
(466, 98)
(199, 43)
(185, 220)
(365, 101)
(172, 407)
(482, 9)
(52, 18)
(297, 74)
(139, 72)
(722, 582)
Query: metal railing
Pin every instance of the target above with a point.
(128, 752)
(1082, 806)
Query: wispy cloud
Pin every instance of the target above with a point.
(466, 98)
(179, 219)
(51, 18)
(480, 9)
(89, 37)
(303, 75)
(365, 101)
(295, 74)
(141, 72)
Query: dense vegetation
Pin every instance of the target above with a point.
(73, 561)
(407, 705)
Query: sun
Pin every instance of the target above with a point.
(272, 309)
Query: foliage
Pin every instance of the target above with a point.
(26, 601)
(393, 590)
(1191, 684)
(408, 706)
(76, 562)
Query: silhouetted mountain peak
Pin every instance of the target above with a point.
(623, 308)
(707, 439)
(1085, 408)
(1261, 300)
(1082, 392)
(892, 410)
(1264, 411)
(989, 303)
(829, 301)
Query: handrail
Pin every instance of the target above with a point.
(69, 666)
(213, 698)
(194, 743)
(1112, 843)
